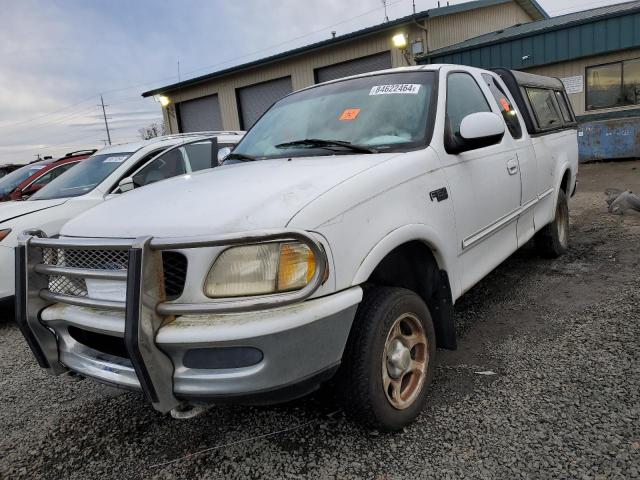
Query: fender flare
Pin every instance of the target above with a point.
(407, 233)
(562, 169)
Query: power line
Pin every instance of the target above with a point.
(75, 114)
(347, 20)
(21, 122)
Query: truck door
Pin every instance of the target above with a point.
(485, 182)
(527, 160)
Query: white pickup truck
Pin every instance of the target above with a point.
(333, 242)
(111, 171)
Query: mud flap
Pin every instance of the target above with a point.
(145, 290)
(442, 312)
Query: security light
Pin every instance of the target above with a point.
(399, 41)
(163, 100)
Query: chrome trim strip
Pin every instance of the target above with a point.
(244, 238)
(503, 221)
(82, 243)
(546, 193)
(529, 205)
(491, 229)
(81, 301)
(81, 272)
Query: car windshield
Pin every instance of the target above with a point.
(82, 178)
(386, 112)
(10, 182)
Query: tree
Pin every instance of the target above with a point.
(152, 130)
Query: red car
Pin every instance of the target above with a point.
(24, 182)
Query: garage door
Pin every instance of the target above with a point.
(200, 115)
(372, 63)
(253, 101)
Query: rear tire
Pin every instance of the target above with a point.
(389, 360)
(553, 240)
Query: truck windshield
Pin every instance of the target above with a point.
(380, 113)
(82, 178)
(10, 182)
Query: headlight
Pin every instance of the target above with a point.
(4, 233)
(260, 269)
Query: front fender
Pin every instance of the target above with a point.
(444, 252)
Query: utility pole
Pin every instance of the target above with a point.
(384, 4)
(104, 114)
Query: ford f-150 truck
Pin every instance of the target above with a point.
(332, 243)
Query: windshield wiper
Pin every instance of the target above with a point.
(240, 156)
(320, 143)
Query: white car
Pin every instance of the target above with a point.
(110, 171)
(356, 214)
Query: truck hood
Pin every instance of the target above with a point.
(11, 210)
(233, 198)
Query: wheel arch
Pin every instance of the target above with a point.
(408, 233)
(416, 264)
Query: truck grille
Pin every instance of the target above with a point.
(88, 259)
(174, 266)
(85, 259)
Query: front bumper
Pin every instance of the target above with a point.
(294, 343)
(172, 351)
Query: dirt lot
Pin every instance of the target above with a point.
(562, 339)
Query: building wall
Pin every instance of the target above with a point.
(442, 31)
(578, 67)
(451, 29)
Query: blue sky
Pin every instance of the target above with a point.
(58, 56)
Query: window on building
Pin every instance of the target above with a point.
(463, 98)
(631, 82)
(508, 112)
(613, 85)
(544, 107)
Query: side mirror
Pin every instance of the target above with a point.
(477, 130)
(126, 184)
(222, 154)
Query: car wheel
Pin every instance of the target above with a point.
(553, 240)
(389, 361)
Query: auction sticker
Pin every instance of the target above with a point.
(396, 88)
(505, 104)
(350, 114)
(115, 159)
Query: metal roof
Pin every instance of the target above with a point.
(530, 6)
(562, 22)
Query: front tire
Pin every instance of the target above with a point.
(389, 361)
(553, 240)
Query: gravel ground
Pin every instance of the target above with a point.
(562, 339)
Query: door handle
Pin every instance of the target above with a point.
(512, 167)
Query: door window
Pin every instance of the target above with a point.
(168, 165)
(199, 155)
(509, 114)
(544, 107)
(463, 98)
